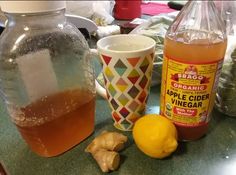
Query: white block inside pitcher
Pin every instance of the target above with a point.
(38, 74)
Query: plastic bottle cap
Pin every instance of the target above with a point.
(31, 6)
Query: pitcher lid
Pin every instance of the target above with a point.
(31, 6)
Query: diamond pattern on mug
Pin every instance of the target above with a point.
(144, 65)
(106, 59)
(111, 90)
(116, 117)
(141, 110)
(114, 104)
(133, 106)
(133, 92)
(121, 85)
(108, 73)
(124, 112)
(123, 99)
(120, 67)
(133, 118)
(118, 126)
(149, 73)
(105, 80)
(133, 76)
(133, 61)
(108, 96)
(143, 82)
(126, 124)
(142, 97)
(146, 100)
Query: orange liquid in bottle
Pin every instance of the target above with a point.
(198, 52)
(58, 122)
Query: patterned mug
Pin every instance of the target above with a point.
(127, 70)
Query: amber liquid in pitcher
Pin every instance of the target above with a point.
(56, 123)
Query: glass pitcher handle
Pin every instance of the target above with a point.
(99, 88)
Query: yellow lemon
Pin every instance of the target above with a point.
(155, 135)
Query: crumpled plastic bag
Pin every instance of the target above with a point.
(156, 28)
(103, 12)
(226, 91)
(80, 8)
(99, 11)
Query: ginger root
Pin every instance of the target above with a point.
(111, 141)
(104, 149)
(107, 160)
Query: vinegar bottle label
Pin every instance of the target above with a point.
(188, 91)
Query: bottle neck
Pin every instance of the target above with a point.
(201, 1)
(198, 21)
(34, 19)
(200, 4)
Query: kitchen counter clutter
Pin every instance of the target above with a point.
(214, 154)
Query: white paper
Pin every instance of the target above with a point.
(38, 74)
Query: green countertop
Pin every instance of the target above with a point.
(214, 154)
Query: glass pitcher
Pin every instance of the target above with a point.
(47, 79)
